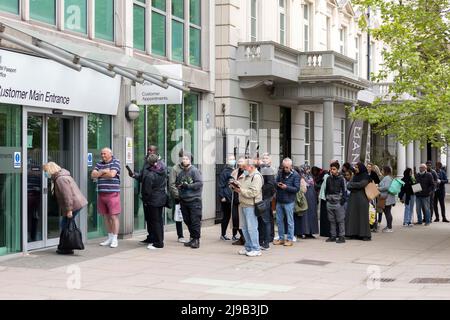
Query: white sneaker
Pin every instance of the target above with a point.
(276, 238)
(294, 239)
(107, 242)
(254, 253)
(387, 230)
(114, 243)
(242, 252)
(181, 240)
(151, 247)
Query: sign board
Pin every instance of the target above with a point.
(32, 81)
(355, 141)
(90, 159)
(148, 93)
(17, 160)
(129, 150)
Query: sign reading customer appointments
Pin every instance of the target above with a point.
(148, 93)
(355, 141)
(32, 81)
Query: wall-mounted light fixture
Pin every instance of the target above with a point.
(132, 111)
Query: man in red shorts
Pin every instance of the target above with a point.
(108, 185)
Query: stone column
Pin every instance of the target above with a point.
(448, 160)
(410, 155)
(423, 155)
(417, 159)
(328, 133)
(401, 159)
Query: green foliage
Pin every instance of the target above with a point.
(416, 35)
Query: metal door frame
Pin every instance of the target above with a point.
(79, 147)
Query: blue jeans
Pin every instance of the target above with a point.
(64, 219)
(285, 209)
(407, 218)
(250, 229)
(423, 203)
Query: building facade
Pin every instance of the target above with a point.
(69, 69)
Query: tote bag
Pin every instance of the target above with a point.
(70, 237)
(416, 187)
(371, 191)
(178, 215)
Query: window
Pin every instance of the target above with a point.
(178, 30)
(43, 10)
(104, 19)
(158, 32)
(343, 40)
(253, 21)
(194, 32)
(343, 140)
(139, 25)
(282, 14)
(357, 53)
(253, 116)
(328, 33)
(75, 15)
(308, 137)
(306, 27)
(11, 6)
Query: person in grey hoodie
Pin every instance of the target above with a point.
(189, 184)
(68, 195)
(383, 187)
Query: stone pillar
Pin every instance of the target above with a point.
(448, 160)
(123, 128)
(410, 155)
(401, 159)
(328, 133)
(423, 155)
(417, 159)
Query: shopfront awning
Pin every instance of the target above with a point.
(77, 55)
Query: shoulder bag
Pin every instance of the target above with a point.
(371, 191)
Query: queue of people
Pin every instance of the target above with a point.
(250, 190)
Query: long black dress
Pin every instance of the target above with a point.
(357, 223)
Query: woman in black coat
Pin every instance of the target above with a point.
(357, 224)
(407, 196)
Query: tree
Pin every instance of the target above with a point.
(416, 35)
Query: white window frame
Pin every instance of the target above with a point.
(343, 40)
(254, 139)
(343, 140)
(372, 58)
(308, 141)
(358, 53)
(306, 26)
(253, 20)
(282, 28)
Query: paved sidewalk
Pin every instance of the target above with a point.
(311, 269)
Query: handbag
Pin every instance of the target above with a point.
(70, 237)
(260, 207)
(301, 204)
(372, 214)
(381, 203)
(396, 186)
(371, 191)
(416, 187)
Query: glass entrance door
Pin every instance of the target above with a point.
(49, 138)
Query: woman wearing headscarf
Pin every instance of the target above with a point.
(357, 224)
(308, 224)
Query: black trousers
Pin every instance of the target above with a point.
(192, 216)
(432, 196)
(388, 214)
(157, 226)
(264, 224)
(148, 222)
(439, 196)
(226, 216)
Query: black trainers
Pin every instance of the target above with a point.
(331, 239)
(340, 240)
(188, 244)
(59, 251)
(146, 241)
(195, 244)
(445, 220)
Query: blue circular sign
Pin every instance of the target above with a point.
(17, 157)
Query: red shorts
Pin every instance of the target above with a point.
(108, 203)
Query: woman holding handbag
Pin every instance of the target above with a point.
(389, 199)
(68, 195)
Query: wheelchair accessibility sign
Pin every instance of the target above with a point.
(17, 160)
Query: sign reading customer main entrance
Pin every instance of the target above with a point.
(28, 80)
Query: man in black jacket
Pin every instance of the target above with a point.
(226, 197)
(423, 197)
(335, 193)
(439, 195)
(436, 186)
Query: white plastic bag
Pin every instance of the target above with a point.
(178, 216)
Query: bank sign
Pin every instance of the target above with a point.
(148, 93)
(31, 81)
